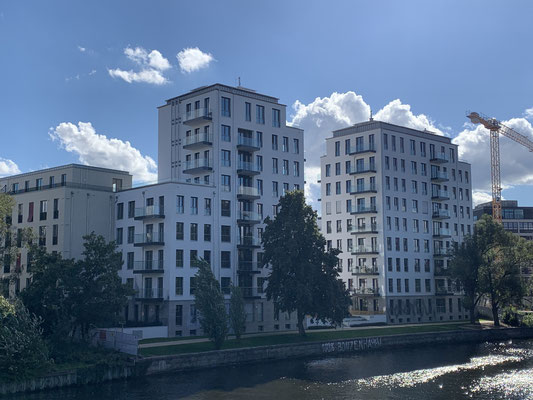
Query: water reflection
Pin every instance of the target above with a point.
(466, 371)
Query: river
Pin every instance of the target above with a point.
(465, 371)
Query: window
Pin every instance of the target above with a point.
(194, 205)
(179, 231)
(274, 142)
(179, 258)
(285, 144)
(193, 258)
(207, 206)
(274, 165)
(295, 146)
(180, 204)
(328, 189)
(260, 114)
(207, 232)
(225, 233)
(130, 260)
(179, 286)
(337, 149)
(225, 284)
(192, 290)
(120, 210)
(226, 133)
(275, 192)
(225, 183)
(39, 184)
(226, 107)
(296, 168)
(55, 234)
(194, 231)
(225, 208)
(226, 158)
(225, 259)
(412, 145)
(285, 170)
(118, 238)
(43, 208)
(248, 112)
(276, 118)
(328, 170)
(131, 234)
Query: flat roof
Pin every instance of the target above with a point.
(63, 167)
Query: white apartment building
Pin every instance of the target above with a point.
(60, 205)
(393, 200)
(225, 157)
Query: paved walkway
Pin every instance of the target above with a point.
(200, 340)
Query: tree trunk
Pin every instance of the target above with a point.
(300, 323)
(472, 312)
(495, 316)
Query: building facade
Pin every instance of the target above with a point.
(60, 205)
(225, 157)
(393, 200)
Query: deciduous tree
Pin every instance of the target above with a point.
(237, 314)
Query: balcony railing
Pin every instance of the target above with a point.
(439, 158)
(148, 238)
(441, 232)
(248, 266)
(441, 213)
(249, 143)
(443, 291)
(365, 250)
(360, 169)
(248, 191)
(440, 195)
(149, 212)
(248, 167)
(248, 241)
(442, 271)
(198, 115)
(363, 209)
(439, 176)
(366, 291)
(198, 140)
(251, 292)
(358, 149)
(440, 252)
(370, 228)
(198, 164)
(147, 266)
(249, 216)
(363, 189)
(149, 293)
(364, 270)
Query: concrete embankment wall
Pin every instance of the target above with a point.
(210, 359)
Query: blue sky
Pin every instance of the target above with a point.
(439, 58)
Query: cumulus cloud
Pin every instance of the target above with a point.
(99, 150)
(515, 159)
(480, 197)
(8, 167)
(82, 49)
(152, 66)
(192, 59)
(529, 113)
(340, 110)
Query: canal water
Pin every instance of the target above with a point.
(465, 371)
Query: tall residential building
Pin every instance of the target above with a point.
(225, 155)
(394, 200)
(60, 205)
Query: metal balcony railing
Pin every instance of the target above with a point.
(363, 209)
(364, 270)
(148, 238)
(199, 113)
(360, 169)
(441, 232)
(248, 191)
(250, 142)
(249, 216)
(148, 265)
(366, 291)
(204, 138)
(363, 228)
(357, 149)
(439, 158)
(363, 189)
(149, 293)
(244, 166)
(149, 211)
(365, 249)
(441, 213)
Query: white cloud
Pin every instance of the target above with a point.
(480, 197)
(528, 113)
(152, 65)
(82, 49)
(192, 59)
(98, 150)
(340, 110)
(515, 159)
(8, 167)
(92, 72)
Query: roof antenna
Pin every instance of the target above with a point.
(371, 118)
(239, 81)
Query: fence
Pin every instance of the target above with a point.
(124, 342)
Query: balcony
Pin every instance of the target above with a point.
(149, 212)
(364, 291)
(248, 144)
(365, 250)
(198, 165)
(442, 271)
(439, 158)
(148, 267)
(439, 176)
(362, 169)
(441, 233)
(360, 189)
(440, 252)
(198, 116)
(440, 195)
(248, 168)
(251, 292)
(198, 141)
(247, 192)
(248, 267)
(248, 242)
(154, 294)
(363, 209)
(369, 148)
(441, 214)
(148, 239)
(443, 291)
(364, 270)
(370, 228)
(248, 217)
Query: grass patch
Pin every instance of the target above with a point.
(312, 336)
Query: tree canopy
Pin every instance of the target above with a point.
(237, 314)
(304, 276)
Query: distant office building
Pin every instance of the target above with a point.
(516, 219)
(225, 157)
(393, 200)
(60, 205)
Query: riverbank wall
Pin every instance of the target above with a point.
(211, 359)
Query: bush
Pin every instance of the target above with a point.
(510, 317)
(527, 321)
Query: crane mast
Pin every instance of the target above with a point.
(496, 128)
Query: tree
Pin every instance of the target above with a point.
(210, 303)
(23, 351)
(304, 277)
(73, 296)
(237, 315)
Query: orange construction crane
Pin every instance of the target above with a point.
(496, 128)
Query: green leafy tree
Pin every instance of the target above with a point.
(304, 277)
(237, 315)
(23, 351)
(210, 303)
